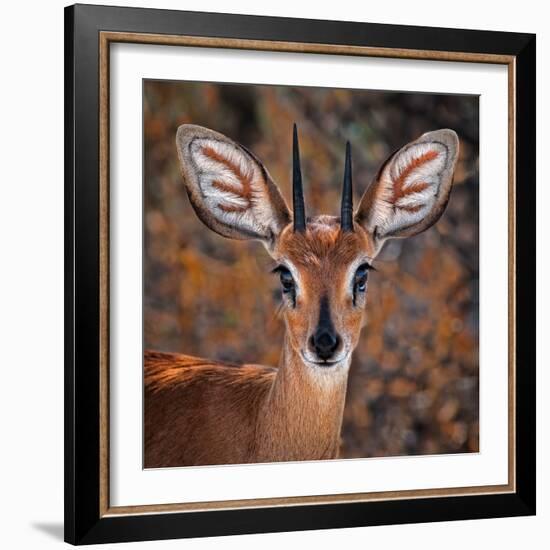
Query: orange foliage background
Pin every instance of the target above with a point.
(413, 386)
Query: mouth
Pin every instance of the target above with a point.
(323, 363)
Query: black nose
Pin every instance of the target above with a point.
(324, 343)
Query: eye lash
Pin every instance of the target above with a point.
(280, 268)
(367, 266)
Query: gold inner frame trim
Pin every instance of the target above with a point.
(105, 39)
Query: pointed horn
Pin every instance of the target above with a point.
(297, 191)
(346, 215)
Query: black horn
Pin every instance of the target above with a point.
(346, 213)
(297, 191)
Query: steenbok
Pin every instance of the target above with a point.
(200, 411)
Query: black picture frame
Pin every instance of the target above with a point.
(84, 524)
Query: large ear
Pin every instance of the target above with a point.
(229, 188)
(412, 188)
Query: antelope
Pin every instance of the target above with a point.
(201, 411)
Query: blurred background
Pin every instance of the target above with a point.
(413, 385)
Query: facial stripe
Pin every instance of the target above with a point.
(325, 321)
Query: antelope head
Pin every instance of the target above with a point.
(323, 262)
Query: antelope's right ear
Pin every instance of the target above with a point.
(229, 188)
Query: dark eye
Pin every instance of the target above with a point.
(360, 279)
(287, 282)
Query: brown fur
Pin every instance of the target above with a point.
(323, 243)
(199, 412)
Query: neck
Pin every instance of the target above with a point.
(302, 415)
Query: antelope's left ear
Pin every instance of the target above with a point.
(412, 188)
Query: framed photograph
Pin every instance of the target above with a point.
(299, 274)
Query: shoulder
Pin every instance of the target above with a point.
(164, 370)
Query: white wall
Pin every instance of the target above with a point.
(31, 274)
